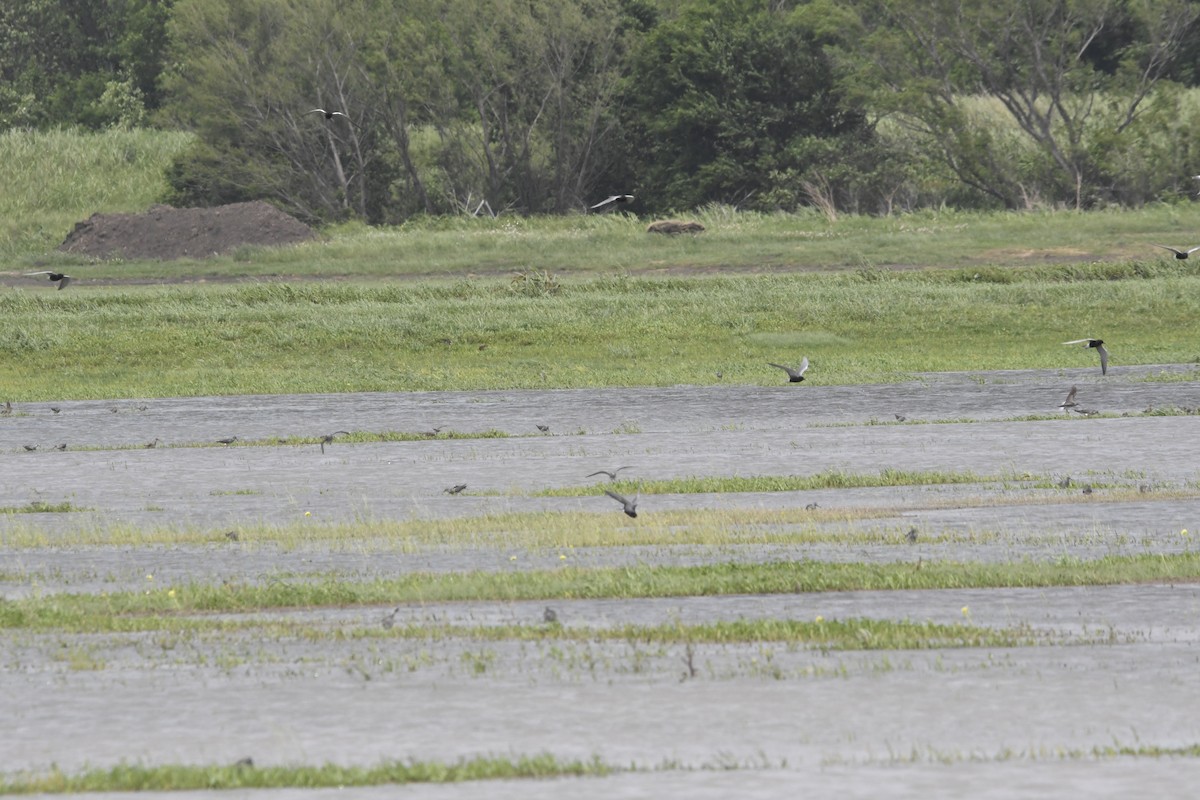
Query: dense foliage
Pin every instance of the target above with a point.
(492, 106)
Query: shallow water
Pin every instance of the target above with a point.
(951, 722)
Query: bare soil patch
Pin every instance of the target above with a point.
(167, 233)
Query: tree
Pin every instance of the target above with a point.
(1074, 89)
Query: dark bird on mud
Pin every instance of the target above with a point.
(432, 432)
(231, 535)
(612, 201)
(227, 440)
(455, 489)
(389, 619)
(55, 409)
(62, 279)
(244, 762)
(1070, 401)
(30, 447)
(612, 476)
(630, 507)
(794, 375)
(1065, 483)
(328, 438)
(62, 446)
(1087, 412)
(1180, 254)
(151, 445)
(544, 428)
(330, 114)
(811, 507)
(550, 616)
(911, 536)
(900, 417)
(8, 409)
(1099, 345)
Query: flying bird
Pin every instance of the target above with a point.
(328, 438)
(330, 114)
(630, 506)
(1099, 345)
(1180, 254)
(1070, 401)
(612, 476)
(794, 375)
(455, 489)
(612, 201)
(63, 280)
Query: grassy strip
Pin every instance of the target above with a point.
(120, 611)
(178, 777)
(826, 479)
(617, 331)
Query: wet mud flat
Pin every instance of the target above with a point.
(1103, 665)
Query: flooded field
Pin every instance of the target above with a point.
(1097, 698)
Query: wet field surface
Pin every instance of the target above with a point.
(1107, 667)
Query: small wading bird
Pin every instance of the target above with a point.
(794, 375)
(612, 476)
(612, 201)
(1180, 254)
(63, 280)
(389, 619)
(1069, 403)
(549, 616)
(151, 445)
(455, 489)
(328, 438)
(544, 428)
(227, 440)
(1099, 345)
(911, 536)
(630, 506)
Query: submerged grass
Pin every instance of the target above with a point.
(182, 777)
(826, 479)
(158, 608)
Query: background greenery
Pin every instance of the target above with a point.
(494, 106)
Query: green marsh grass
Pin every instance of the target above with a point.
(160, 609)
(603, 332)
(181, 777)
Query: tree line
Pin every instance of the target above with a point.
(544, 106)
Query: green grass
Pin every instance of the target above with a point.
(54, 179)
(613, 331)
(157, 609)
(180, 777)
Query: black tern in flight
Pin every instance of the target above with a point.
(794, 375)
(328, 438)
(1180, 254)
(329, 114)
(612, 201)
(62, 279)
(612, 476)
(455, 489)
(1070, 401)
(630, 506)
(1099, 345)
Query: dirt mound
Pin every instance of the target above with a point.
(167, 233)
(674, 226)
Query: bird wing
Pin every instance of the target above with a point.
(599, 472)
(788, 370)
(43, 272)
(1103, 359)
(316, 111)
(63, 283)
(1193, 249)
(1071, 395)
(616, 497)
(602, 203)
(803, 366)
(1164, 247)
(1078, 341)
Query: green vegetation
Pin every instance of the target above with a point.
(54, 179)
(178, 777)
(615, 331)
(41, 507)
(827, 479)
(159, 608)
